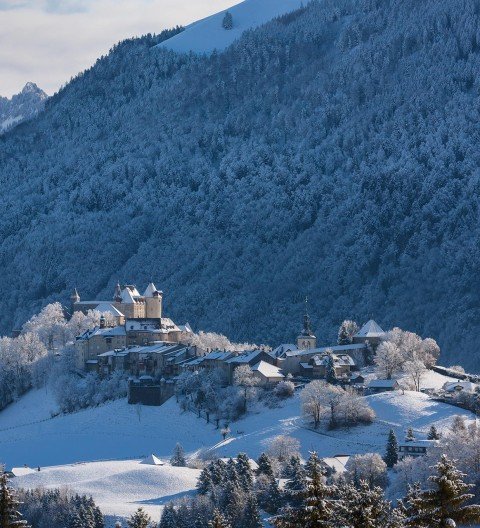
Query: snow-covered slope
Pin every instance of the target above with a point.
(119, 431)
(118, 487)
(208, 34)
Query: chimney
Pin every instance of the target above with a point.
(102, 322)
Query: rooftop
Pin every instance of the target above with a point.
(370, 329)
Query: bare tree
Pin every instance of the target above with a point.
(243, 377)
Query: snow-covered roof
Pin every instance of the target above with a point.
(418, 443)
(246, 357)
(127, 296)
(452, 386)
(283, 349)
(105, 332)
(383, 383)
(150, 290)
(322, 350)
(336, 463)
(152, 460)
(22, 471)
(117, 353)
(370, 329)
(218, 355)
(267, 370)
(186, 328)
(105, 307)
(339, 360)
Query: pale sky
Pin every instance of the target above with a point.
(49, 41)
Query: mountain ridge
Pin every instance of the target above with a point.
(330, 153)
(21, 107)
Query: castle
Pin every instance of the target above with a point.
(138, 322)
(127, 303)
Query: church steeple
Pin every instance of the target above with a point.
(306, 339)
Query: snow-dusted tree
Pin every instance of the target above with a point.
(243, 377)
(346, 332)
(391, 455)
(458, 424)
(244, 471)
(264, 465)
(10, 517)
(282, 448)
(433, 434)
(233, 502)
(178, 457)
(330, 372)
(49, 325)
(227, 22)
(388, 359)
(297, 480)
(320, 399)
(362, 506)
(445, 501)
(415, 370)
(140, 519)
(284, 389)
(268, 492)
(251, 516)
(316, 509)
(169, 517)
(218, 521)
(369, 468)
(353, 409)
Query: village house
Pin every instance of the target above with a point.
(268, 375)
(414, 448)
(455, 387)
(377, 386)
(317, 365)
(369, 333)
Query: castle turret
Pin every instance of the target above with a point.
(153, 300)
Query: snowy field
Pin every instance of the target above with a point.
(119, 488)
(207, 34)
(97, 450)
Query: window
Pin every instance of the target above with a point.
(108, 340)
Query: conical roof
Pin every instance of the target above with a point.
(370, 329)
(152, 460)
(151, 289)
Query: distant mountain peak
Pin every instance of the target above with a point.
(22, 106)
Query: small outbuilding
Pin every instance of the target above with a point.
(382, 385)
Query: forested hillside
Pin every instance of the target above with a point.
(332, 153)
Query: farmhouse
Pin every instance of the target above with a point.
(317, 365)
(382, 385)
(414, 448)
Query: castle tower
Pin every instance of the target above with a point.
(306, 339)
(74, 298)
(153, 300)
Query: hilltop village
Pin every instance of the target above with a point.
(134, 337)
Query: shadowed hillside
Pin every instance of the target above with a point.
(333, 152)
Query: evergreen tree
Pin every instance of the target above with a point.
(227, 22)
(218, 472)
(391, 456)
(140, 519)
(433, 434)
(296, 483)
(272, 498)
(205, 482)
(178, 458)
(316, 510)
(364, 507)
(169, 517)
(264, 465)
(330, 373)
(251, 515)
(410, 436)
(233, 503)
(245, 472)
(76, 521)
(218, 521)
(232, 473)
(444, 504)
(10, 517)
